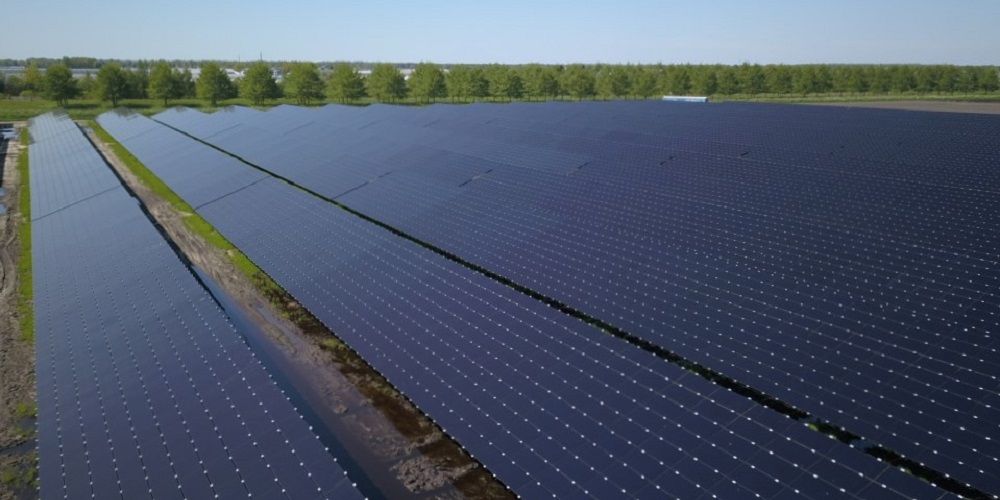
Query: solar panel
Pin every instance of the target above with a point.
(844, 260)
(551, 405)
(144, 387)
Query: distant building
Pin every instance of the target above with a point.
(685, 98)
(6, 71)
(231, 73)
(19, 70)
(406, 72)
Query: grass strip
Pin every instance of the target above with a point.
(25, 284)
(196, 223)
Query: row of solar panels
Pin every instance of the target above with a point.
(551, 405)
(843, 260)
(145, 389)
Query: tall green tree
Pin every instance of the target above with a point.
(926, 78)
(214, 85)
(903, 79)
(579, 81)
(304, 83)
(14, 85)
(32, 77)
(947, 80)
(467, 82)
(680, 82)
(727, 81)
(137, 81)
(541, 81)
(185, 84)
(505, 83)
(706, 83)
(163, 83)
(753, 81)
(989, 79)
(805, 80)
(427, 82)
(112, 83)
(857, 79)
(824, 79)
(880, 80)
(643, 82)
(386, 83)
(779, 79)
(58, 84)
(258, 84)
(968, 80)
(345, 83)
(613, 81)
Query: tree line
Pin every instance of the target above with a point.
(427, 82)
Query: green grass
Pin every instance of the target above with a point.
(25, 284)
(19, 109)
(192, 220)
(21, 478)
(333, 344)
(25, 410)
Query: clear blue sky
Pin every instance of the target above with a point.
(512, 31)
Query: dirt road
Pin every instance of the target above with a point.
(17, 356)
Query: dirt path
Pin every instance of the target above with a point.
(17, 356)
(991, 108)
(384, 432)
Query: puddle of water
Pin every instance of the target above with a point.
(25, 447)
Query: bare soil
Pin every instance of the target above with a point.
(420, 461)
(17, 356)
(991, 108)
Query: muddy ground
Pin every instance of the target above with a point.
(992, 108)
(403, 451)
(17, 356)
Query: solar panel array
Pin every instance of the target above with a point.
(844, 260)
(549, 404)
(145, 390)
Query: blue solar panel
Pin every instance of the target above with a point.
(843, 260)
(552, 406)
(144, 387)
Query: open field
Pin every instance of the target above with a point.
(23, 109)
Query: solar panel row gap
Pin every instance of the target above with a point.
(814, 422)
